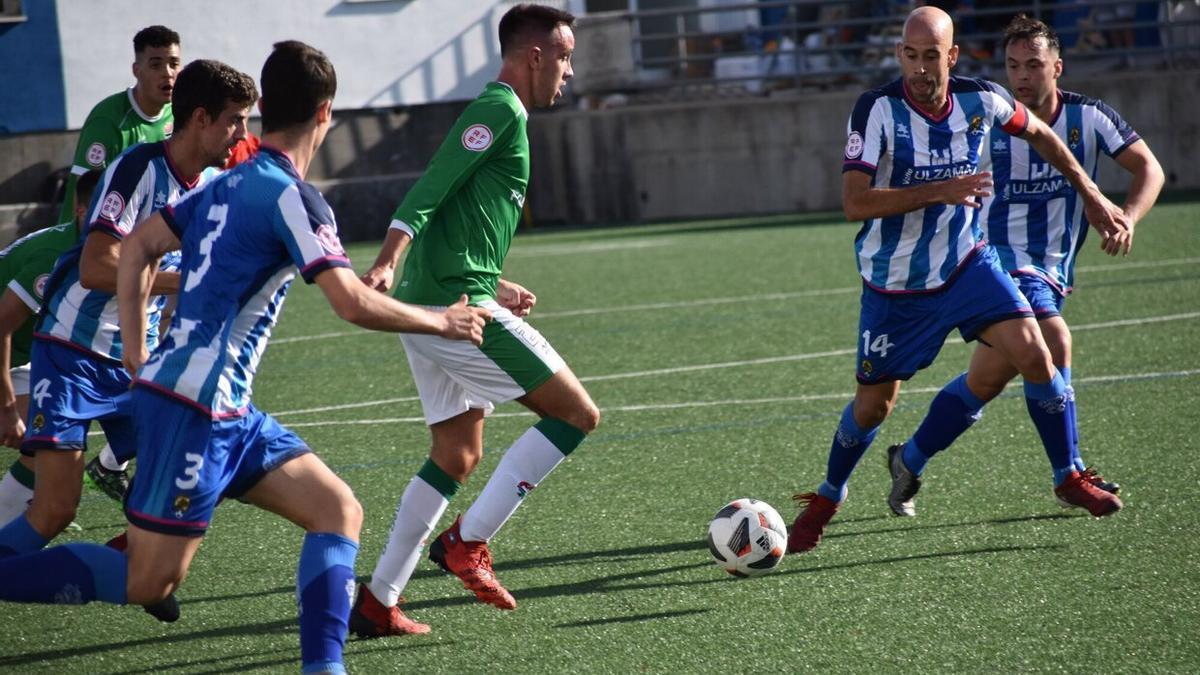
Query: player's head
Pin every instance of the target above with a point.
(156, 62)
(1032, 60)
(926, 53)
(298, 84)
(85, 185)
(212, 104)
(537, 42)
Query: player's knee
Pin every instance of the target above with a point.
(1034, 364)
(152, 585)
(586, 418)
(871, 413)
(51, 514)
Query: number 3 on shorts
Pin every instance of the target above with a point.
(879, 345)
(191, 472)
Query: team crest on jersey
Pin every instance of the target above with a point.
(477, 138)
(976, 125)
(999, 146)
(181, 505)
(39, 285)
(327, 235)
(112, 206)
(1073, 137)
(854, 145)
(96, 154)
(160, 200)
(39, 421)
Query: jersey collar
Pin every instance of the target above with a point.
(524, 112)
(917, 109)
(1058, 107)
(137, 109)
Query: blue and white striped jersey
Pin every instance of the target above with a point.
(136, 185)
(243, 237)
(890, 139)
(1034, 217)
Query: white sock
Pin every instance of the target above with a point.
(14, 498)
(109, 461)
(420, 507)
(523, 466)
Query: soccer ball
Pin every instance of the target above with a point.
(747, 538)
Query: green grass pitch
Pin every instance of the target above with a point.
(719, 352)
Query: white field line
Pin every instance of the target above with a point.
(705, 302)
(842, 396)
(739, 364)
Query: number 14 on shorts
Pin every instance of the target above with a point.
(880, 345)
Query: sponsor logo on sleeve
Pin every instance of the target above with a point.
(854, 145)
(168, 129)
(39, 285)
(477, 138)
(112, 206)
(96, 154)
(327, 235)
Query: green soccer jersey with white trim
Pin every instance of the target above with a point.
(25, 266)
(463, 211)
(112, 127)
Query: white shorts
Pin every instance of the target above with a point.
(20, 380)
(454, 376)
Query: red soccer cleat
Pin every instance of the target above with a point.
(471, 562)
(370, 618)
(1079, 490)
(810, 524)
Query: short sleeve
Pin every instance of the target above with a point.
(306, 226)
(866, 142)
(125, 184)
(1007, 113)
(180, 213)
(29, 283)
(1114, 133)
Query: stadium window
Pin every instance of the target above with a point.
(11, 11)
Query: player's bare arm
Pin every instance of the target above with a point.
(359, 305)
(137, 270)
(861, 201)
(380, 276)
(1108, 219)
(515, 298)
(98, 266)
(13, 313)
(1147, 182)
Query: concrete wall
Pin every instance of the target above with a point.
(700, 159)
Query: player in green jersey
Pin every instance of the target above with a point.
(140, 114)
(460, 217)
(24, 268)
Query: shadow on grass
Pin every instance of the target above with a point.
(633, 619)
(943, 526)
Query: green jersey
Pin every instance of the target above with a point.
(113, 126)
(25, 267)
(465, 208)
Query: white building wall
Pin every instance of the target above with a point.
(386, 52)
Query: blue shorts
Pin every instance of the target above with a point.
(68, 388)
(1045, 299)
(899, 334)
(188, 462)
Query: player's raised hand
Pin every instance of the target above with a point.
(966, 190)
(12, 427)
(1115, 228)
(378, 278)
(515, 298)
(464, 322)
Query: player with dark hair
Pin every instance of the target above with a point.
(140, 114)
(76, 375)
(460, 218)
(244, 237)
(25, 267)
(1036, 223)
(913, 172)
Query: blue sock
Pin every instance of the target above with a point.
(850, 443)
(324, 589)
(1076, 459)
(71, 574)
(19, 538)
(951, 413)
(1047, 405)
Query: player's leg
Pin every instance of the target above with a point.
(306, 492)
(16, 487)
(953, 410)
(109, 469)
(57, 489)
(1046, 396)
(568, 415)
